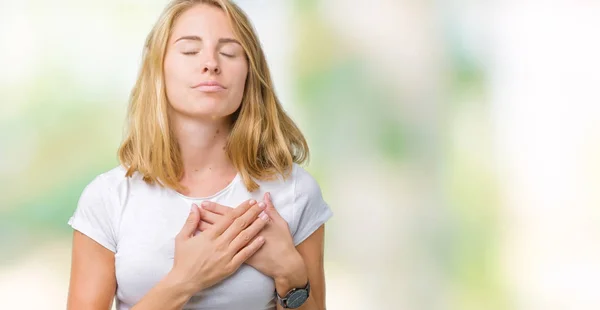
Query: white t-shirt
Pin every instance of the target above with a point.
(138, 222)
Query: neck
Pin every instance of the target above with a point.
(202, 144)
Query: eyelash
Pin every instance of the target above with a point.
(194, 53)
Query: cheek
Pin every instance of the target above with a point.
(172, 70)
(174, 78)
(240, 74)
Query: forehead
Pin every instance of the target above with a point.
(203, 20)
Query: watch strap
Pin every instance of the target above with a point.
(283, 300)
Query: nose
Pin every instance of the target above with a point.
(211, 66)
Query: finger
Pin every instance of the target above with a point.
(219, 227)
(242, 222)
(191, 223)
(215, 207)
(204, 226)
(267, 199)
(243, 207)
(270, 209)
(244, 237)
(247, 252)
(209, 216)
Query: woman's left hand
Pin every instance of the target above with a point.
(278, 257)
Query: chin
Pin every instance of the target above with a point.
(204, 110)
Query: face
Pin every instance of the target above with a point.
(205, 67)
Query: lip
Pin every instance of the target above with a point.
(209, 86)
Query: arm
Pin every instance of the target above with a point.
(93, 282)
(168, 294)
(290, 266)
(309, 266)
(225, 248)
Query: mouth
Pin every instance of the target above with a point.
(209, 87)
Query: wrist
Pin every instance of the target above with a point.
(293, 276)
(179, 283)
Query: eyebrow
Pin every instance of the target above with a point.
(197, 38)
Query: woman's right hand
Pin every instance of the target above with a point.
(205, 259)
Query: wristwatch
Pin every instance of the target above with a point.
(295, 297)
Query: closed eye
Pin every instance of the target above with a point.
(190, 53)
(227, 55)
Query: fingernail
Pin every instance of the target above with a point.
(263, 216)
(192, 208)
(204, 204)
(269, 196)
(261, 205)
(252, 202)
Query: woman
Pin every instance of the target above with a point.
(187, 220)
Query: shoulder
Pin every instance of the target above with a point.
(112, 185)
(117, 176)
(111, 178)
(97, 214)
(310, 209)
(305, 185)
(298, 182)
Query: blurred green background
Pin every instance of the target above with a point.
(458, 142)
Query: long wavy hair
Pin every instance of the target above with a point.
(264, 141)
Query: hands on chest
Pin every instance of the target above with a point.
(278, 253)
(225, 246)
(253, 233)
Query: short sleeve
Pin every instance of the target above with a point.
(94, 214)
(310, 210)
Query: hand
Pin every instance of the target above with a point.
(278, 258)
(205, 259)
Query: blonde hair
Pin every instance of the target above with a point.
(263, 142)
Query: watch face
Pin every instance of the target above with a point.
(297, 299)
